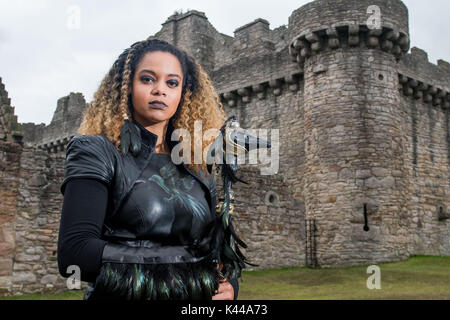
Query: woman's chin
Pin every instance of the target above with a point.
(155, 116)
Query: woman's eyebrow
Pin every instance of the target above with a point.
(153, 73)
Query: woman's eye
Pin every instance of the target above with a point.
(172, 83)
(146, 79)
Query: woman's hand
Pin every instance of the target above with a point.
(225, 291)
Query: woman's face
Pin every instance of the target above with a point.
(156, 88)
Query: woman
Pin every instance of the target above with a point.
(138, 225)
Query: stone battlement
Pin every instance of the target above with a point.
(10, 129)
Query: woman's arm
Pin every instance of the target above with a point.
(79, 240)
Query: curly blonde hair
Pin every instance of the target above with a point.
(112, 105)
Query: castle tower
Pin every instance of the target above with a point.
(192, 32)
(354, 144)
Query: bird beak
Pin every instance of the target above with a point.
(249, 142)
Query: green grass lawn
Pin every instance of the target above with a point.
(420, 277)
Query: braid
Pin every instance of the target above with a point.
(126, 81)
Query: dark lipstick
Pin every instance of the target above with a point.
(158, 105)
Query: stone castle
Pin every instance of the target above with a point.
(364, 144)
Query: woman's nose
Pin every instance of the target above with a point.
(158, 90)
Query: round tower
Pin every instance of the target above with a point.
(354, 178)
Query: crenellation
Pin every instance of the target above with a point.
(32, 133)
(192, 32)
(280, 37)
(430, 93)
(291, 81)
(177, 16)
(3, 93)
(419, 54)
(253, 31)
(316, 14)
(444, 65)
(64, 124)
(10, 128)
(416, 64)
(313, 42)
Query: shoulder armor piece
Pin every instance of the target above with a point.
(89, 156)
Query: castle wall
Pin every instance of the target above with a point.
(30, 210)
(9, 194)
(37, 223)
(30, 202)
(425, 104)
(427, 168)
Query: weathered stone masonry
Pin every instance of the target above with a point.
(364, 136)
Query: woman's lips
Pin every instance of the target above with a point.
(158, 105)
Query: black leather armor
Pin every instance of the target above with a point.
(91, 156)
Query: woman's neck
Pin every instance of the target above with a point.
(162, 148)
(159, 129)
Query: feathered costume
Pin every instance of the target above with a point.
(235, 140)
(187, 272)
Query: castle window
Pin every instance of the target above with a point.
(442, 214)
(272, 199)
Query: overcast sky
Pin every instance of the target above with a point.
(44, 56)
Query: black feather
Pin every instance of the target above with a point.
(227, 242)
(135, 139)
(177, 281)
(236, 238)
(229, 173)
(130, 137)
